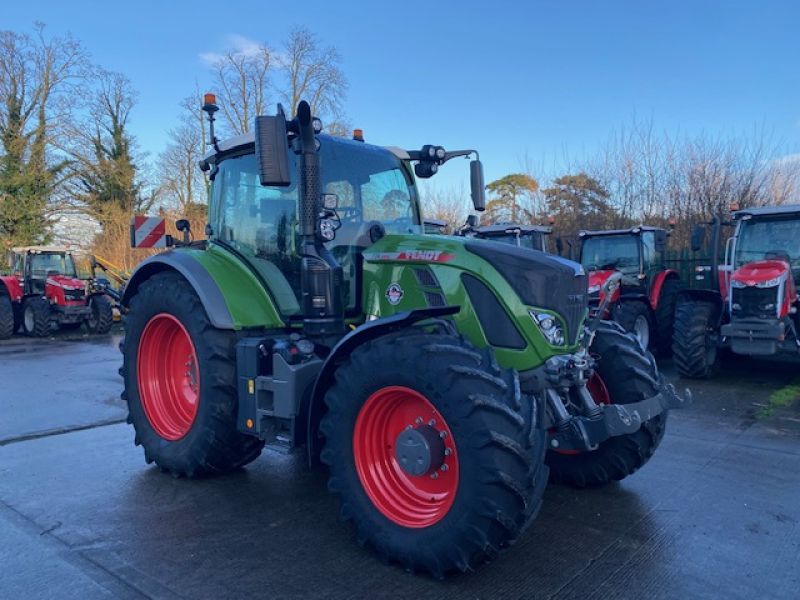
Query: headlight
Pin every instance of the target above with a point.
(593, 289)
(549, 327)
(769, 282)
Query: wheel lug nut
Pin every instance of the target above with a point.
(434, 475)
(418, 421)
(447, 452)
(442, 434)
(432, 422)
(444, 467)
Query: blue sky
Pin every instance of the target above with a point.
(508, 78)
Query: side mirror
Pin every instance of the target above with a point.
(477, 186)
(184, 226)
(272, 150)
(698, 237)
(661, 240)
(559, 246)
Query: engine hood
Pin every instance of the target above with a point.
(760, 271)
(67, 283)
(598, 278)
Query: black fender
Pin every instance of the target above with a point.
(363, 334)
(709, 296)
(192, 271)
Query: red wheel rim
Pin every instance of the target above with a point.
(404, 499)
(168, 376)
(597, 388)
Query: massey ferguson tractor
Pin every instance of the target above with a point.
(644, 303)
(42, 289)
(438, 378)
(752, 304)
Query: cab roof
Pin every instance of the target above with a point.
(764, 211)
(503, 228)
(630, 230)
(244, 140)
(41, 249)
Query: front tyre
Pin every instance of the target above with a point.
(6, 317)
(695, 344)
(434, 451)
(102, 315)
(635, 318)
(36, 317)
(624, 374)
(180, 382)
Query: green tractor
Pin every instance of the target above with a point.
(440, 379)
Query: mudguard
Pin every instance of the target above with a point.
(369, 331)
(658, 283)
(231, 295)
(709, 296)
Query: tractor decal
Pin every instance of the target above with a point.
(411, 256)
(394, 293)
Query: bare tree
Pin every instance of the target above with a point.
(243, 80)
(312, 72)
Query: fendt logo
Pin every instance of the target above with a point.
(411, 256)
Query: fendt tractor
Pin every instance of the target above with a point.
(42, 289)
(429, 373)
(752, 304)
(644, 303)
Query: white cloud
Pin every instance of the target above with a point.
(233, 42)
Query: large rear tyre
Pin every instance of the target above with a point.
(625, 374)
(434, 451)
(36, 317)
(695, 344)
(102, 316)
(636, 318)
(180, 382)
(665, 315)
(6, 318)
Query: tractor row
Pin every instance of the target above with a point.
(42, 290)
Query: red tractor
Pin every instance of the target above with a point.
(645, 302)
(42, 288)
(752, 305)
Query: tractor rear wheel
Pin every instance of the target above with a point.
(695, 344)
(36, 317)
(635, 318)
(665, 315)
(6, 317)
(434, 451)
(102, 316)
(625, 374)
(180, 382)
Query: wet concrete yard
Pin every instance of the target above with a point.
(715, 514)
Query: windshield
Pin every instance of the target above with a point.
(43, 265)
(768, 238)
(533, 240)
(261, 222)
(619, 252)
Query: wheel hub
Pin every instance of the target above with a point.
(420, 451)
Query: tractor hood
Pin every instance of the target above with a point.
(67, 283)
(762, 273)
(598, 278)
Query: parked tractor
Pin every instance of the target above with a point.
(752, 304)
(645, 302)
(42, 289)
(429, 373)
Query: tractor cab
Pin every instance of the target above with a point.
(637, 254)
(48, 271)
(534, 237)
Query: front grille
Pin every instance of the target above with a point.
(755, 302)
(575, 307)
(425, 277)
(72, 295)
(434, 299)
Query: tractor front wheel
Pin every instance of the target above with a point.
(434, 451)
(624, 374)
(6, 318)
(180, 382)
(635, 318)
(36, 317)
(102, 316)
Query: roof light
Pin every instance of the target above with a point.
(734, 206)
(358, 135)
(209, 98)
